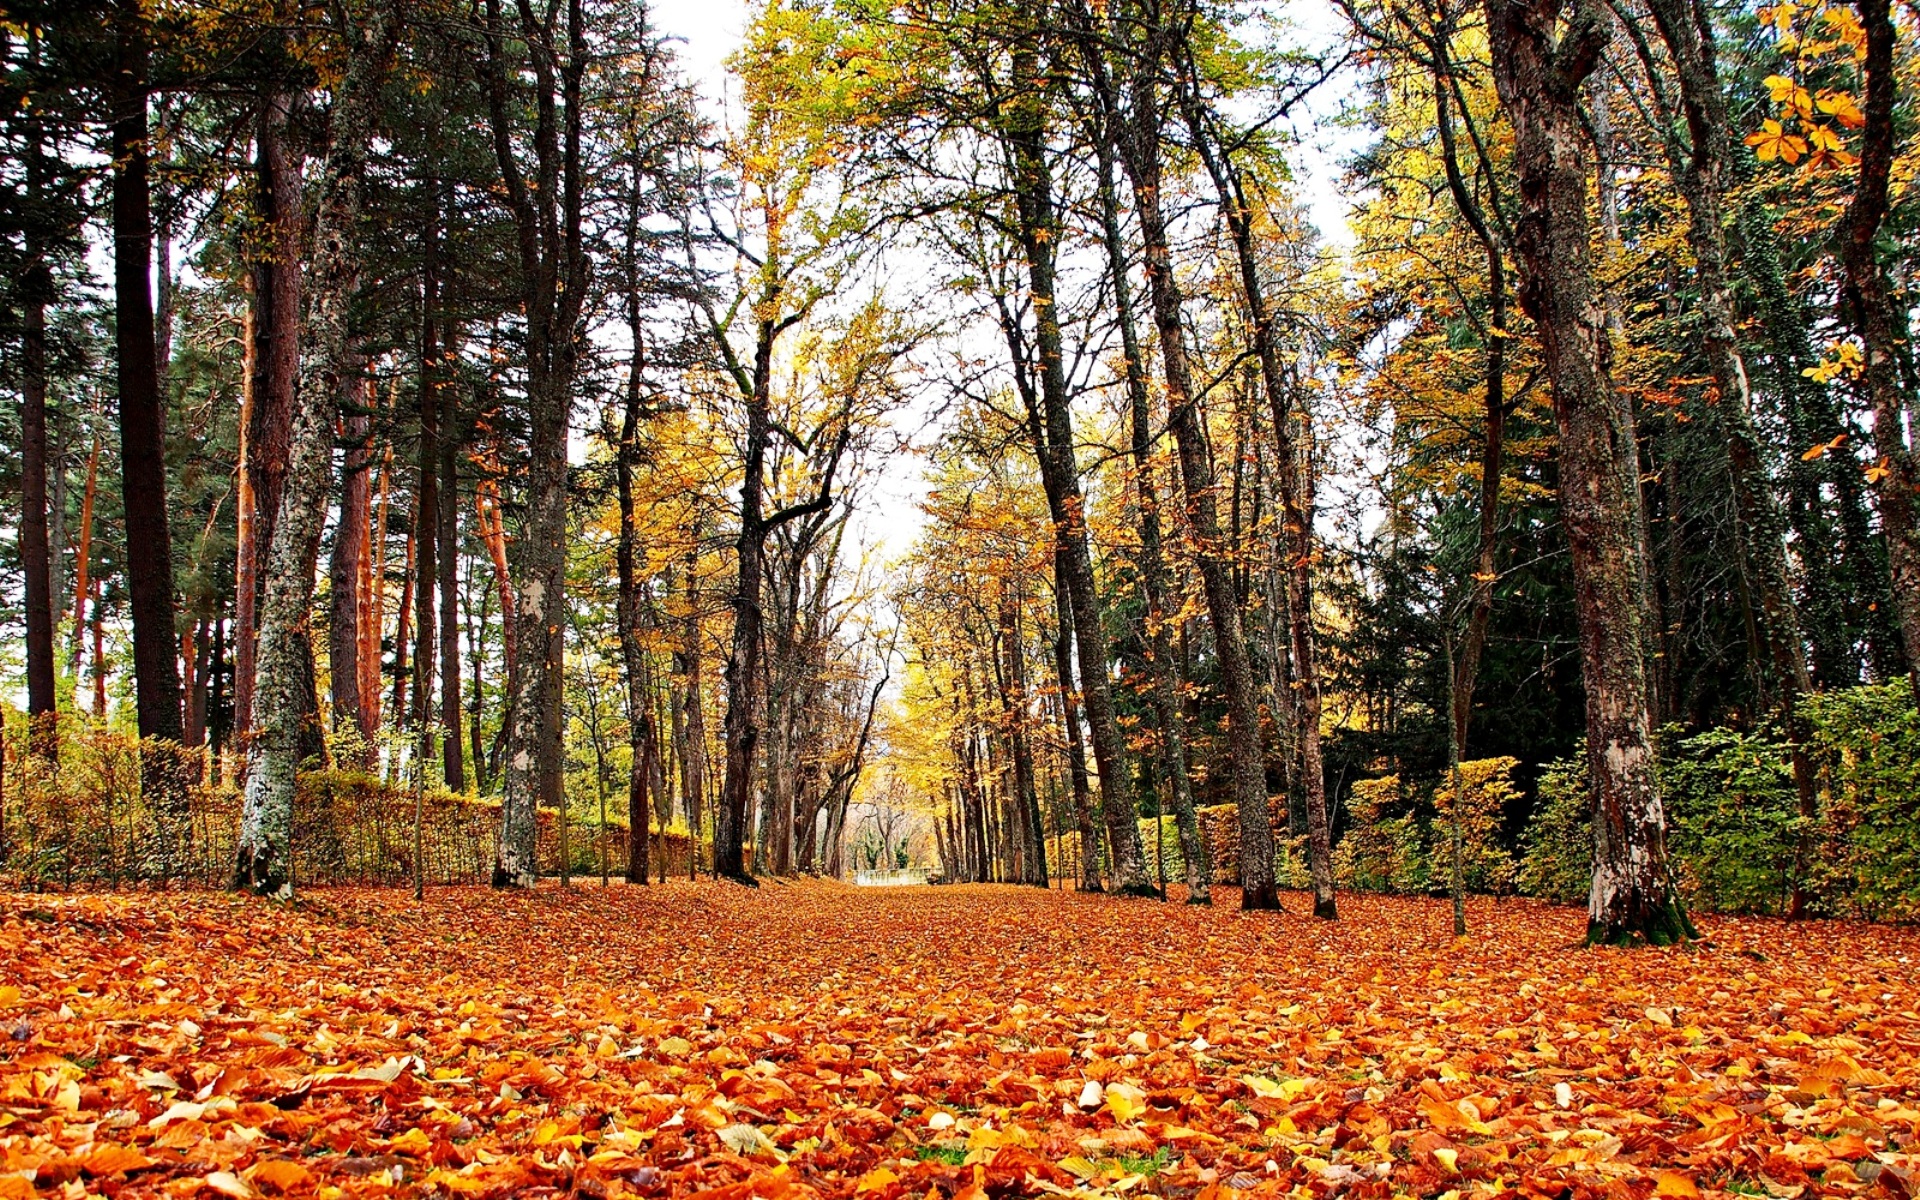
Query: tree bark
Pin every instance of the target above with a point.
(452, 760)
(265, 852)
(1538, 76)
(426, 496)
(35, 561)
(1024, 128)
(627, 614)
(348, 578)
(554, 276)
(273, 366)
(1294, 480)
(1882, 326)
(1089, 855)
(143, 466)
(1139, 144)
(1687, 28)
(1162, 669)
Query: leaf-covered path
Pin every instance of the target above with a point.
(816, 1038)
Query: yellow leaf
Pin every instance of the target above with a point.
(1842, 108)
(1125, 1101)
(1448, 1157)
(415, 1141)
(676, 1047)
(875, 1179)
(1673, 1183)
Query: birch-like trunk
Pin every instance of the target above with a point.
(265, 851)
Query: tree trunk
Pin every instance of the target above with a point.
(1882, 326)
(1024, 123)
(1687, 28)
(1070, 718)
(347, 575)
(1161, 667)
(453, 761)
(36, 565)
(265, 853)
(273, 362)
(745, 686)
(548, 222)
(1140, 153)
(426, 499)
(1294, 478)
(627, 613)
(693, 745)
(1538, 77)
(143, 464)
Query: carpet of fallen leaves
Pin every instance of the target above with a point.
(962, 1042)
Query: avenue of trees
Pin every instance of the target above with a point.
(435, 393)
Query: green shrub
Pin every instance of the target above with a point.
(1733, 821)
(1556, 860)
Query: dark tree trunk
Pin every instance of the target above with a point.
(1882, 325)
(452, 760)
(35, 562)
(348, 575)
(1687, 28)
(1139, 146)
(273, 358)
(143, 466)
(1162, 669)
(1070, 718)
(426, 498)
(1539, 76)
(554, 275)
(1294, 479)
(1025, 131)
(627, 613)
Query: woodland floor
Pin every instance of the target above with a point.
(815, 1038)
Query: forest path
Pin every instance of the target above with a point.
(815, 1036)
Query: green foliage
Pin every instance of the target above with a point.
(1556, 861)
(1868, 848)
(1732, 820)
(1737, 838)
(1382, 853)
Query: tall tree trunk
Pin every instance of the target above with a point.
(347, 576)
(1089, 855)
(36, 565)
(1025, 122)
(1539, 76)
(273, 361)
(426, 496)
(453, 761)
(83, 562)
(143, 467)
(693, 758)
(1161, 667)
(265, 852)
(745, 684)
(1687, 28)
(1294, 479)
(627, 614)
(1140, 154)
(1882, 325)
(554, 276)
